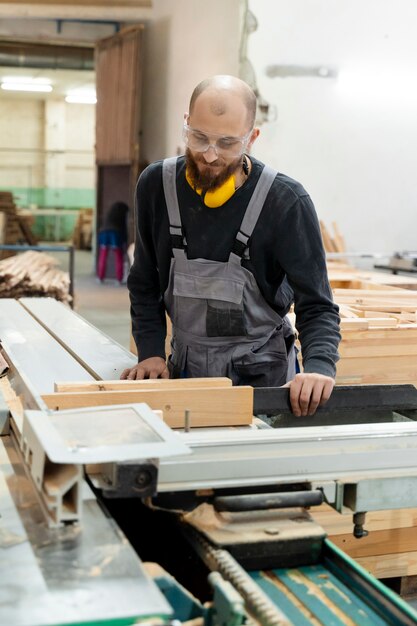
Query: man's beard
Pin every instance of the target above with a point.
(206, 177)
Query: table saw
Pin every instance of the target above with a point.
(88, 493)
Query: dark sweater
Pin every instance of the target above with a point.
(286, 257)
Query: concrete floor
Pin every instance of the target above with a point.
(105, 305)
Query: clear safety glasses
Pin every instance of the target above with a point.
(226, 146)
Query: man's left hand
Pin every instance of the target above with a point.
(308, 391)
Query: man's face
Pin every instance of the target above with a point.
(208, 176)
(215, 116)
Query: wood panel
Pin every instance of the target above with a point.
(118, 83)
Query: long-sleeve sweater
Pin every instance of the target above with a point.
(286, 257)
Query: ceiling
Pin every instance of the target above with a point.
(55, 39)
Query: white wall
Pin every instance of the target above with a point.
(353, 147)
(21, 143)
(28, 152)
(186, 42)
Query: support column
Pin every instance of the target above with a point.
(55, 158)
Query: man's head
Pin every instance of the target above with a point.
(219, 129)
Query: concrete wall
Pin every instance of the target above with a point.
(352, 140)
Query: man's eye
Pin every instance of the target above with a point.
(227, 142)
(200, 137)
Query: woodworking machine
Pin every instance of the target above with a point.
(110, 517)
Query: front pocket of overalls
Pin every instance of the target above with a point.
(219, 299)
(224, 320)
(265, 366)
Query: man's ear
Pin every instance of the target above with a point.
(254, 136)
(186, 117)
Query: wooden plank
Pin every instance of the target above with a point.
(148, 384)
(229, 406)
(389, 348)
(376, 370)
(336, 524)
(377, 543)
(356, 323)
(390, 565)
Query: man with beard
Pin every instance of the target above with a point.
(224, 245)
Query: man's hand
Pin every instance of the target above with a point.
(155, 367)
(308, 391)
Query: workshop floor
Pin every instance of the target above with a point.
(105, 305)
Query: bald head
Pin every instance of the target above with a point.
(221, 93)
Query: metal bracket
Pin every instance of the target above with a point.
(58, 485)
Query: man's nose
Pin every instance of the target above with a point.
(210, 155)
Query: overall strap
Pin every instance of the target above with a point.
(252, 213)
(169, 175)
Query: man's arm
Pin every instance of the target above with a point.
(317, 316)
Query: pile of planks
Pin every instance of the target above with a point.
(14, 228)
(33, 274)
(83, 230)
(333, 242)
(379, 332)
(389, 550)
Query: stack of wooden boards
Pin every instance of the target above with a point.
(389, 550)
(14, 228)
(378, 326)
(33, 274)
(83, 230)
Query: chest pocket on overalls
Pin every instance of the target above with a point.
(219, 299)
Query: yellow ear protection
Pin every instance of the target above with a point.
(217, 197)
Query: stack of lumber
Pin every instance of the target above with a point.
(389, 550)
(33, 274)
(14, 228)
(83, 230)
(379, 335)
(333, 242)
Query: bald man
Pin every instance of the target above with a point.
(225, 245)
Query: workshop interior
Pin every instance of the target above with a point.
(193, 500)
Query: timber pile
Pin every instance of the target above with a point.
(14, 228)
(379, 335)
(389, 550)
(33, 274)
(83, 230)
(333, 242)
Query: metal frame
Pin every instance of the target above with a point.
(320, 455)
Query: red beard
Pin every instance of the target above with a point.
(209, 176)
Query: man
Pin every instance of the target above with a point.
(224, 245)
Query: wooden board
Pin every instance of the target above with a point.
(229, 406)
(129, 385)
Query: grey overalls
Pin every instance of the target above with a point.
(222, 325)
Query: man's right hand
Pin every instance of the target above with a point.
(155, 367)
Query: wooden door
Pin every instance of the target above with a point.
(118, 129)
